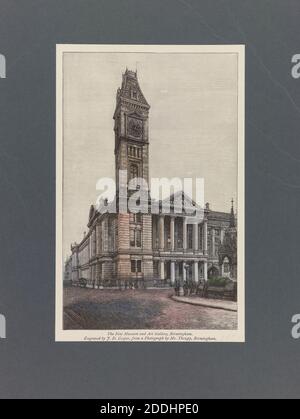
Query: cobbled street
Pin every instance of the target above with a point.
(138, 309)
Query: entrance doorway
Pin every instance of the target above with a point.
(213, 272)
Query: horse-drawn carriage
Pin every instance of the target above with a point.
(225, 290)
(82, 282)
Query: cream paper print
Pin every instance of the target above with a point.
(150, 193)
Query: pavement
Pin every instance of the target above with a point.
(208, 302)
(106, 309)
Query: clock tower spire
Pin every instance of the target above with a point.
(134, 238)
(131, 130)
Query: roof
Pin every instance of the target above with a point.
(131, 90)
(219, 214)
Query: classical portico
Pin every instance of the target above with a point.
(180, 247)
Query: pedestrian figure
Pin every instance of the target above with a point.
(205, 290)
(176, 287)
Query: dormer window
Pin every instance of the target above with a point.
(134, 94)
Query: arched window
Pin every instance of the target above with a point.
(134, 171)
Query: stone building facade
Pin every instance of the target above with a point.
(149, 249)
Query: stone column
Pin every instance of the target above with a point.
(90, 279)
(181, 282)
(94, 275)
(97, 239)
(195, 237)
(90, 246)
(222, 235)
(162, 269)
(184, 231)
(183, 272)
(172, 272)
(88, 252)
(161, 232)
(213, 244)
(196, 275)
(104, 235)
(205, 270)
(97, 276)
(205, 237)
(172, 233)
(103, 275)
(93, 242)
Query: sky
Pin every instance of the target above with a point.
(192, 124)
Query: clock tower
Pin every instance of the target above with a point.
(134, 232)
(131, 130)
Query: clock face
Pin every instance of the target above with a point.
(135, 127)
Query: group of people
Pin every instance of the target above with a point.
(191, 287)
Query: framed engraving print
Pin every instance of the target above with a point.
(150, 193)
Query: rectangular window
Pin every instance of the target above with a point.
(135, 152)
(132, 238)
(155, 268)
(190, 236)
(209, 243)
(139, 266)
(95, 242)
(138, 238)
(133, 266)
(136, 266)
(200, 237)
(178, 233)
(138, 218)
(135, 238)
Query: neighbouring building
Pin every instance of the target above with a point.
(68, 270)
(150, 249)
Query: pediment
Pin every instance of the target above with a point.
(181, 201)
(183, 198)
